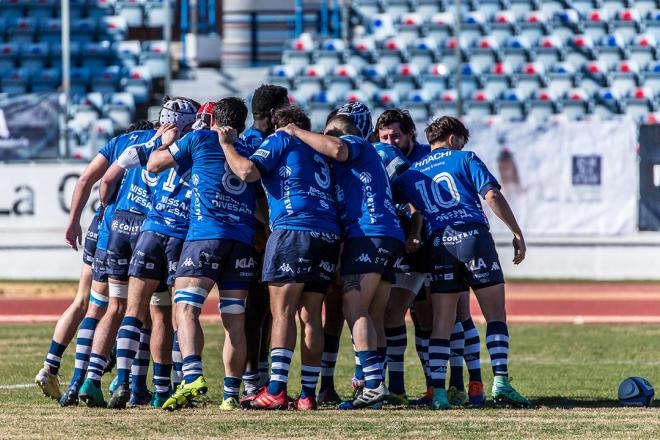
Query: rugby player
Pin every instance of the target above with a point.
(217, 251)
(445, 186)
(301, 252)
(131, 201)
(373, 239)
(266, 99)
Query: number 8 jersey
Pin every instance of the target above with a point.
(445, 186)
(222, 205)
(298, 184)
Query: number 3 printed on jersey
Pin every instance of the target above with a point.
(438, 180)
(322, 179)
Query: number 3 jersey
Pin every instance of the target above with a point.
(445, 186)
(222, 205)
(298, 184)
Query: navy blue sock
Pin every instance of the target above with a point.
(497, 342)
(329, 360)
(54, 356)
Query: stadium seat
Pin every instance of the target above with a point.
(331, 53)
(132, 11)
(423, 52)
(120, 110)
(484, 52)
(646, 6)
(128, 52)
(396, 8)
(530, 77)
(282, 75)
(368, 8)
(50, 30)
(625, 77)
(612, 48)
(392, 52)
(417, 102)
(106, 81)
(96, 56)
(566, 23)
(581, 49)
(597, 24)
(549, 50)
(84, 30)
(613, 6)
(80, 80)
(342, 79)
(524, 6)
(644, 49)
(319, 106)
(76, 9)
(9, 53)
(98, 9)
(448, 53)
(375, 74)
(154, 11)
(16, 82)
(535, 26)
(56, 54)
(542, 105)
(23, 30)
(441, 26)
(503, 25)
(473, 26)
(575, 103)
(363, 52)
(405, 79)
(561, 78)
(353, 96)
(311, 81)
(42, 8)
(46, 80)
(105, 131)
(607, 102)
(34, 56)
(627, 22)
(478, 105)
(138, 83)
(154, 56)
(470, 79)
(12, 10)
(490, 7)
(497, 79)
(584, 7)
(511, 105)
(652, 75)
(410, 27)
(382, 26)
(639, 102)
(436, 79)
(516, 51)
(385, 99)
(594, 76)
(653, 23)
(446, 104)
(113, 28)
(552, 6)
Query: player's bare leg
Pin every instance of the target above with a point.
(333, 323)
(234, 350)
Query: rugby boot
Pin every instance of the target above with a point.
(49, 383)
(70, 398)
(440, 399)
(230, 404)
(371, 396)
(140, 399)
(505, 395)
(396, 399)
(305, 403)
(265, 400)
(120, 397)
(456, 397)
(91, 394)
(328, 396)
(186, 393)
(476, 395)
(159, 399)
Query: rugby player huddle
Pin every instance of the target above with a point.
(364, 224)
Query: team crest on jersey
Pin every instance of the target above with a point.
(365, 177)
(285, 171)
(436, 241)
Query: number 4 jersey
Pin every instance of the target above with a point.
(445, 186)
(222, 204)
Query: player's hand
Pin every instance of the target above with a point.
(73, 235)
(226, 135)
(161, 129)
(413, 243)
(170, 135)
(290, 129)
(519, 249)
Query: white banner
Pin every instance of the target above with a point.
(573, 178)
(35, 200)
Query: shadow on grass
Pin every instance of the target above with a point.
(568, 403)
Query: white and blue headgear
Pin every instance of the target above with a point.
(360, 115)
(178, 112)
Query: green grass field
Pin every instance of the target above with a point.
(572, 372)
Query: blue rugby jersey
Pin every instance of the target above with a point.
(253, 137)
(364, 196)
(445, 186)
(222, 204)
(298, 184)
(134, 186)
(418, 151)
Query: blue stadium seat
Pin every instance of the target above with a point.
(423, 52)
(576, 104)
(542, 105)
(497, 79)
(374, 77)
(113, 28)
(23, 30)
(34, 56)
(511, 105)
(382, 26)
(470, 79)
(652, 75)
(80, 80)
(473, 25)
(12, 10)
(50, 30)
(625, 77)
(331, 53)
(517, 51)
(612, 48)
(282, 75)
(16, 82)
(417, 102)
(107, 81)
(566, 23)
(46, 80)
(484, 52)
(138, 84)
(644, 48)
(97, 9)
(607, 102)
(154, 13)
(154, 56)
(132, 11)
(84, 30)
(96, 56)
(128, 52)
(9, 53)
(42, 8)
(561, 78)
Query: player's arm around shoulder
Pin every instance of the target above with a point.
(163, 157)
(329, 146)
(241, 166)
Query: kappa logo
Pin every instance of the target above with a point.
(495, 266)
(188, 262)
(364, 258)
(285, 171)
(285, 268)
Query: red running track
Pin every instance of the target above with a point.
(526, 302)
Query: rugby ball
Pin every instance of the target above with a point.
(636, 391)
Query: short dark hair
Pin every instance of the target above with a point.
(291, 114)
(230, 112)
(396, 115)
(346, 126)
(140, 125)
(440, 129)
(269, 97)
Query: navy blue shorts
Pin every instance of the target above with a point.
(464, 256)
(91, 239)
(99, 271)
(371, 255)
(156, 257)
(231, 264)
(124, 233)
(301, 257)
